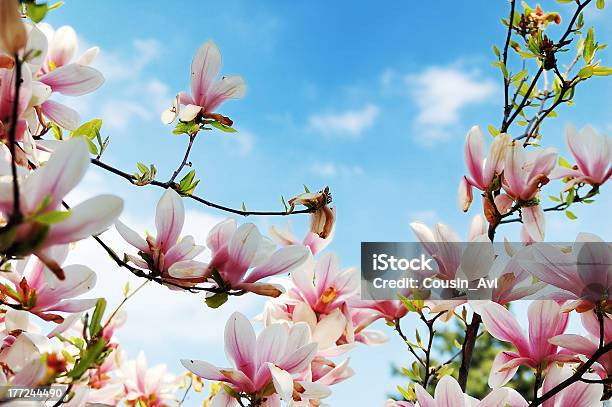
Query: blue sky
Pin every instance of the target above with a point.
(372, 101)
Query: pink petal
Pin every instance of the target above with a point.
(228, 87)
(63, 46)
(465, 196)
(74, 305)
(514, 176)
(203, 369)
(545, 321)
(221, 234)
(79, 280)
(502, 325)
(60, 175)
(204, 68)
(534, 221)
(424, 399)
(89, 218)
(283, 383)
(478, 227)
(243, 246)
(169, 219)
(473, 154)
(61, 114)
(574, 343)
(283, 261)
(187, 269)
(496, 398)
(89, 56)
(448, 393)
(130, 236)
(240, 343)
(326, 270)
(271, 343)
(497, 377)
(503, 202)
(494, 163)
(73, 79)
(299, 360)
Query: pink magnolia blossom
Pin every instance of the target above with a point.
(7, 98)
(444, 245)
(578, 394)
(153, 387)
(593, 154)
(583, 274)
(448, 393)
(524, 174)
(315, 243)
(235, 250)
(481, 170)
(167, 253)
(396, 403)
(588, 345)
(41, 196)
(390, 310)
(545, 321)
(54, 71)
(279, 350)
(42, 297)
(206, 92)
(23, 358)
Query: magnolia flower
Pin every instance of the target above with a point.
(390, 310)
(43, 298)
(524, 174)
(323, 219)
(152, 387)
(23, 362)
(587, 346)
(593, 154)
(545, 321)
(13, 34)
(167, 253)
(44, 223)
(444, 245)
(584, 273)
(311, 240)
(206, 92)
(277, 356)
(448, 393)
(396, 403)
(237, 249)
(325, 287)
(7, 99)
(54, 71)
(481, 171)
(578, 394)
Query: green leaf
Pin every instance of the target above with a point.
(126, 289)
(601, 4)
(216, 300)
(57, 131)
(496, 51)
(493, 130)
(284, 203)
(91, 129)
(306, 189)
(586, 72)
(85, 362)
(554, 198)
(51, 217)
(565, 1)
(95, 325)
(588, 51)
(571, 215)
(244, 209)
(222, 127)
(602, 71)
(36, 12)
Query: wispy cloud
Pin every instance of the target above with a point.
(330, 169)
(351, 123)
(440, 94)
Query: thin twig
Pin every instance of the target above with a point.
(16, 215)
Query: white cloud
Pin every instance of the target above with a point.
(240, 144)
(330, 169)
(119, 66)
(350, 123)
(427, 216)
(441, 93)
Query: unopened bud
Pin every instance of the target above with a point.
(13, 35)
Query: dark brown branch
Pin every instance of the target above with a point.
(507, 105)
(196, 198)
(184, 162)
(471, 333)
(16, 215)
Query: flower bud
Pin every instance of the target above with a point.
(13, 35)
(465, 194)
